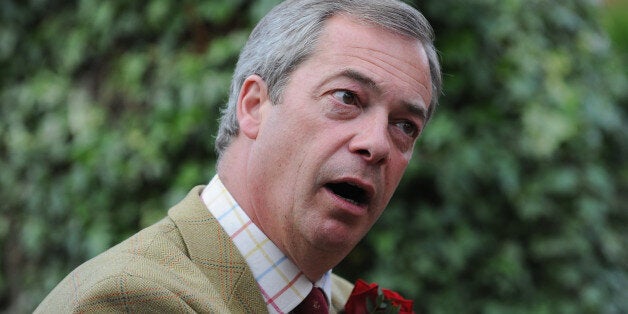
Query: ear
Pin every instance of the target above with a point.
(253, 95)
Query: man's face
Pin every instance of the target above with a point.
(327, 159)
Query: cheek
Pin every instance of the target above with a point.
(396, 169)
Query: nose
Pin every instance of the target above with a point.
(372, 141)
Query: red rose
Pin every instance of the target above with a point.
(357, 299)
(368, 298)
(397, 300)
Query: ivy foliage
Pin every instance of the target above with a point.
(108, 115)
(517, 197)
(515, 200)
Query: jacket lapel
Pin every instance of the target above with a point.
(211, 249)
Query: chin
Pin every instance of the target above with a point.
(337, 238)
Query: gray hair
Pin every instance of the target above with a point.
(288, 35)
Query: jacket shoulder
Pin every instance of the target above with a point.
(134, 275)
(184, 263)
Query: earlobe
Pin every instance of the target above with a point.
(253, 95)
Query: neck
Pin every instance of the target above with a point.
(233, 170)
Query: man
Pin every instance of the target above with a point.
(328, 99)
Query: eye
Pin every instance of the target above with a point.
(407, 128)
(346, 97)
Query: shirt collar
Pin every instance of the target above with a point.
(282, 284)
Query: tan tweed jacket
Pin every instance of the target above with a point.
(185, 263)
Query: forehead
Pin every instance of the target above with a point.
(394, 62)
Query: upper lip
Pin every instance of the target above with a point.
(367, 187)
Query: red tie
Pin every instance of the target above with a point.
(314, 303)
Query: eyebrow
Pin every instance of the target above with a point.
(413, 108)
(362, 79)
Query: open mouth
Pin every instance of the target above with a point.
(350, 192)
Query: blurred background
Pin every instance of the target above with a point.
(516, 200)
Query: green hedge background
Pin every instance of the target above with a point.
(515, 202)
